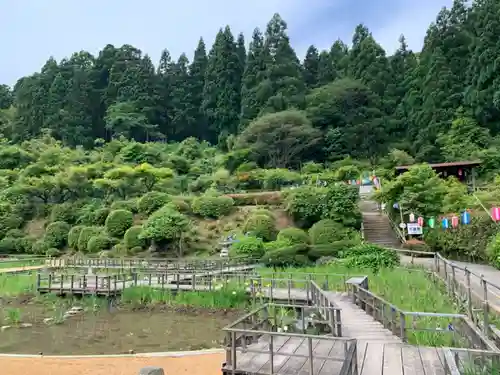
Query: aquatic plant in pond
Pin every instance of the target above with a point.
(12, 285)
(222, 298)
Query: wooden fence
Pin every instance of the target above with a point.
(256, 343)
(471, 362)
(457, 329)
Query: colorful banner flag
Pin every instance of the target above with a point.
(465, 217)
(454, 221)
(445, 223)
(431, 222)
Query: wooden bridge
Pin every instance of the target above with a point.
(369, 336)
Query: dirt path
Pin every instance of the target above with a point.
(19, 269)
(206, 364)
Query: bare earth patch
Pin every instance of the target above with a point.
(206, 364)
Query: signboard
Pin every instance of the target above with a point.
(414, 228)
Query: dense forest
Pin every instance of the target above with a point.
(440, 103)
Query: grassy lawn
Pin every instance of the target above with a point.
(17, 284)
(8, 263)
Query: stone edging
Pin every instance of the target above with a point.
(138, 355)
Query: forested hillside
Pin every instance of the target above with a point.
(113, 154)
(361, 101)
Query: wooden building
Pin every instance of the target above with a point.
(464, 171)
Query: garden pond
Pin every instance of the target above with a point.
(34, 327)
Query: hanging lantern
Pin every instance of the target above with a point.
(495, 213)
(420, 221)
(465, 217)
(460, 172)
(445, 224)
(454, 221)
(431, 222)
(412, 218)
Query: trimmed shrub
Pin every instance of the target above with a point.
(212, 206)
(166, 224)
(86, 234)
(293, 235)
(292, 256)
(305, 205)
(152, 201)
(341, 205)
(118, 221)
(98, 243)
(248, 246)
(328, 231)
(63, 212)
(334, 249)
(182, 205)
(278, 244)
(53, 252)
(132, 239)
(40, 247)
(100, 215)
(15, 233)
(10, 245)
(73, 235)
(261, 226)
(128, 205)
(56, 234)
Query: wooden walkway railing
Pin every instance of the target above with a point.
(458, 327)
(256, 343)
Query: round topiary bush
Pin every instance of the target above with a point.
(56, 234)
(212, 206)
(11, 245)
(263, 211)
(100, 215)
(248, 246)
(40, 247)
(261, 226)
(165, 225)
(118, 221)
(328, 231)
(86, 234)
(63, 212)
(98, 243)
(132, 239)
(128, 205)
(292, 256)
(152, 201)
(293, 236)
(73, 235)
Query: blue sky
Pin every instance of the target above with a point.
(33, 30)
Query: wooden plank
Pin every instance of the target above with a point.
(258, 360)
(293, 364)
(372, 360)
(278, 360)
(323, 349)
(243, 358)
(362, 347)
(392, 360)
(412, 363)
(440, 354)
(430, 361)
(333, 366)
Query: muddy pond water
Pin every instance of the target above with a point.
(111, 331)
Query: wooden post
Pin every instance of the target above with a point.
(469, 295)
(311, 365)
(485, 307)
(271, 354)
(402, 319)
(233, 351)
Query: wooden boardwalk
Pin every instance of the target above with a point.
(291, 357)
(399, 359)
(379, 352)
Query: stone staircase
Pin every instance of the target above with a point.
(377, 227)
